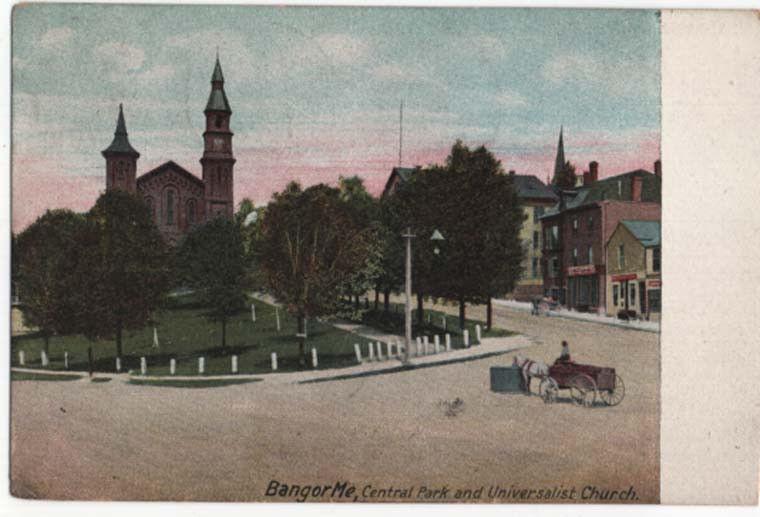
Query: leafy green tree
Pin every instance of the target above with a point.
(124, 274)
(249, 219)
(311, 246)
(211, 260)
(565, 177)
(45, 255)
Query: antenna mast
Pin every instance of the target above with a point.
(400, 131)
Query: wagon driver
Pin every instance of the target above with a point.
(564, 356)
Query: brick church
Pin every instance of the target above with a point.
(177, 198)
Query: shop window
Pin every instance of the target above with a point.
(656, 259)
(632, 292)
(654, 300)
(615, 294)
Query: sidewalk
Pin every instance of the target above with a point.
(648, 326)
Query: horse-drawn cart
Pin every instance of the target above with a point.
(585, 382)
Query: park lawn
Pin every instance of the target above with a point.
(185, 334)
(392, 322)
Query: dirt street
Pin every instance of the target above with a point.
(82, 440)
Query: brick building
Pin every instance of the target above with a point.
(178, 199)
(578, 227)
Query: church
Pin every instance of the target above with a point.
(178, 199)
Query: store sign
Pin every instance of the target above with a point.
(623, 278)
(654, 284)
(589, 269)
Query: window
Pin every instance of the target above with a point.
(169, 207)
(555, 267)
(534, 267)
(632, 291)
(590, 224)
(621, 257)
(535, 240)
(575, 256)
(590, 254)
(555, 236)
(615, 294)
(656, 259)
(151, 207)
(620, 188)
(538, 211)
(575, 225)
(191, 211)
(120, 170)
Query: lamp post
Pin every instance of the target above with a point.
(436, 238)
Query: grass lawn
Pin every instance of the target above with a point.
(210, 383)
(185, 334)
(392, 322)
(33, 376)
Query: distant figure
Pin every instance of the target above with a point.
(564, 356)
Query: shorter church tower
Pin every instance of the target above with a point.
(217, 160)
(121, 159)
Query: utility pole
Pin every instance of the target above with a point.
(408, 294)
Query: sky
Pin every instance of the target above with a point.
(315, 91)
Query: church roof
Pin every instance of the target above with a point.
(217, 99)
(170, 165)
(120, 143)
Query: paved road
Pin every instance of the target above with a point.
(79, 440)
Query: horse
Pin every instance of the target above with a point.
(529, 369)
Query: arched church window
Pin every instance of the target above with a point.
(169, 207)
(151, 207)
(191, 211)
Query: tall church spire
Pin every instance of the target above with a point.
(217, 99)
(559, 162)
(120, 143)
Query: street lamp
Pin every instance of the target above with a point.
(437, 238)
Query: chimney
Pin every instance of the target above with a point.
(658, 168)
(636, 188)
(586, 178)
(593, 170)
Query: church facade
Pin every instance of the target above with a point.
(178, 199)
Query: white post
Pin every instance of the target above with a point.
(379, 346)
(358, 352)
(371, 348)
(466, 338)
(66, 360)
(253, 313)
(448, 342)
(389, 347)
(172, 366)
(155, 337)
(201, 365)
(477, 332)
(277, 315)
(314, 362)
(143, 366)
(418, 342)
(21, 360)
(235, 362)
(44, 358)
(443, 323)
(425, 344)
(437, 341)
(274, 361)
(118, 364)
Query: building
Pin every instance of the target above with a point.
(577, 228)
(535, 198)
(178, 199)
(399, 176)
(633, 268)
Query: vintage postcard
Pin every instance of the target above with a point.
(338, 254)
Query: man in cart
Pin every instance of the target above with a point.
(564, 356)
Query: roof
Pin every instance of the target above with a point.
(647, 232)
(607, 189)
(120, 143)
(530, 187)
(173, 166)
(403, 173)
(217, 99)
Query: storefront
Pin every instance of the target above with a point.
(583, 287)
(636, 294)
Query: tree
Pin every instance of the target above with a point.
(311, 246)
(211, 260)
(45, 255)
(565, 178)
(249, 218)
(124, 273)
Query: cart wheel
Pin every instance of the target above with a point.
(615, 396)
(583, 390)
(548, 390)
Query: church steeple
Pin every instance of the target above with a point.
(218, 160)
(559, 162)
(121, 159)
